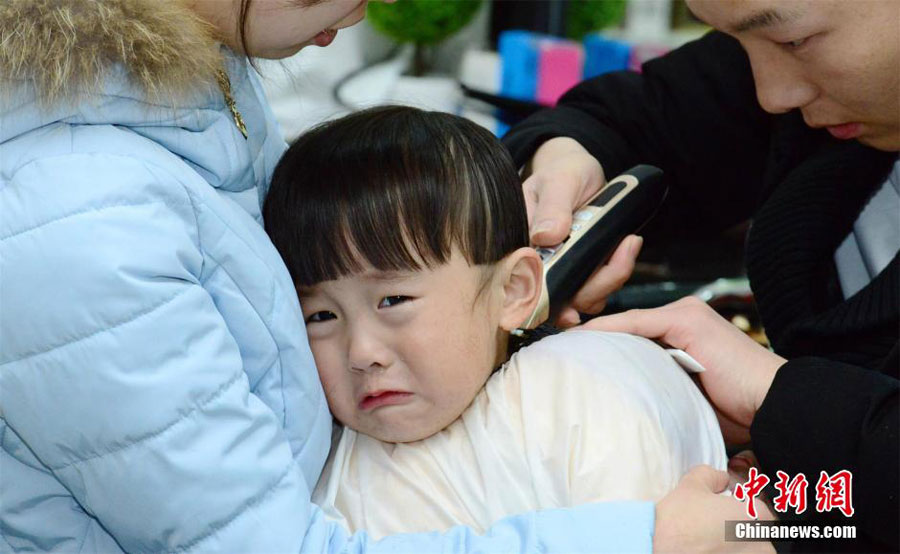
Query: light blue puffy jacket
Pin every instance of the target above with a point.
(156, 388)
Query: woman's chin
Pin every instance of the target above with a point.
(281, 53)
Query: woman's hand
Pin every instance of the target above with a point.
(692, 517)
(563, 176)
(738, 372)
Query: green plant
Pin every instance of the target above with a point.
(584, 16)
(421, 22)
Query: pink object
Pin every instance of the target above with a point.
(560, 65)
(645, 52)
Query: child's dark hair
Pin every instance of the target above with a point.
(397, 188)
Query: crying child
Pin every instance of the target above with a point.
(406, 235)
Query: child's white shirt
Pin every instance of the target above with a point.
(577, 417)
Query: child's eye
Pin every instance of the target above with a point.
(389, 301)
(320, 316)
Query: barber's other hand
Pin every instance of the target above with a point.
(738, 372)
(563, 177)
(692, 517)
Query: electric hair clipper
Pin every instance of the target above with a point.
(622, 207)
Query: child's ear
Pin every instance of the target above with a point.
(523, 279)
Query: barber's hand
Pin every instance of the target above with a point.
(563, 177)
(692, 517)
(738, 372)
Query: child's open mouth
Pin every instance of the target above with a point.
(377, 399)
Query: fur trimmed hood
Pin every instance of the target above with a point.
(66, 48)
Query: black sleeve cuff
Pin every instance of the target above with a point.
(821, 415)
(601, 141)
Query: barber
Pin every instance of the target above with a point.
(788, 114)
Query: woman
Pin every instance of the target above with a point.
(158, 392)
(796, 125)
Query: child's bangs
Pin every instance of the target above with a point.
(363, 235)
(394, 189)
(395, 219)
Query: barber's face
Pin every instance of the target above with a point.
(838, 61)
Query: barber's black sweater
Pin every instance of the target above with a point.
(694, 113)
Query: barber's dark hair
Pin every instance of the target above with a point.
(397, 188)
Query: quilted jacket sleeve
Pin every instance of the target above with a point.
(120, 375)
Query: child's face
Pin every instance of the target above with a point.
(401, 355)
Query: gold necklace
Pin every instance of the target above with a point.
(225, 85)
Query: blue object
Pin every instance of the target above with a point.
(158, 392)
(603, 55)
(519, 61)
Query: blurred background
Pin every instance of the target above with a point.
(495, 62)
(420, 52)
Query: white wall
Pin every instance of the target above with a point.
(300, 88)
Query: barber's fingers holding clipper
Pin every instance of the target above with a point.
(738, 372)
(606, 279)
(563, 176)
(692, 517)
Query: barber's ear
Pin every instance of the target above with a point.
(522, 282)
